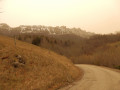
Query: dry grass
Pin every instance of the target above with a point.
(42, 70)
(107, 55)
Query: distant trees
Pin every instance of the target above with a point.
(4, 26)
(94, 50)
(67, 43)
(70, 45)
(78, 49)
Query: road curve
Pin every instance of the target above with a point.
(96, 78)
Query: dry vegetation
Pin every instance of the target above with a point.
(107, 55)
(27, 66)
(96, 50)
(104, 54)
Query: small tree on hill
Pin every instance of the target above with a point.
(36, 41)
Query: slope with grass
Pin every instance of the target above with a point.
(106, 55)
(95, 50)
(26, 66)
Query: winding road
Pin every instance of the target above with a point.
(96, 78)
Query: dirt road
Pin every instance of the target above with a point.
(96, 78)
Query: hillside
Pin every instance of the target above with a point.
(105, 55)
(67, 45)
(76, 48)
(27, 66)
(40, 29)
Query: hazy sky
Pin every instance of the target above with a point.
(100, 16)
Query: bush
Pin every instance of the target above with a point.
(36, 41)
(118, 67)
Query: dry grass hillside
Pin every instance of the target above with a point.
(28, 67)
(94, 50)
(106, 55)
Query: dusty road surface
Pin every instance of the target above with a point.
(96, 78)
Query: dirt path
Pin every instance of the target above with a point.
(96, 78)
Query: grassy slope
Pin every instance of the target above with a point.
(43, 69)
(106, 55)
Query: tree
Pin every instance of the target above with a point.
(36, 41)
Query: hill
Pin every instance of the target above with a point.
(76, 48)
(105, 54)
(67, 44)
(26, 66)
(40, 29)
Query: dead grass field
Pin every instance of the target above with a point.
(40, 69)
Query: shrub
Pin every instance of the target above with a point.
(36, 41)
(118, 67)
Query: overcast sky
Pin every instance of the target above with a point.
(99, 16)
